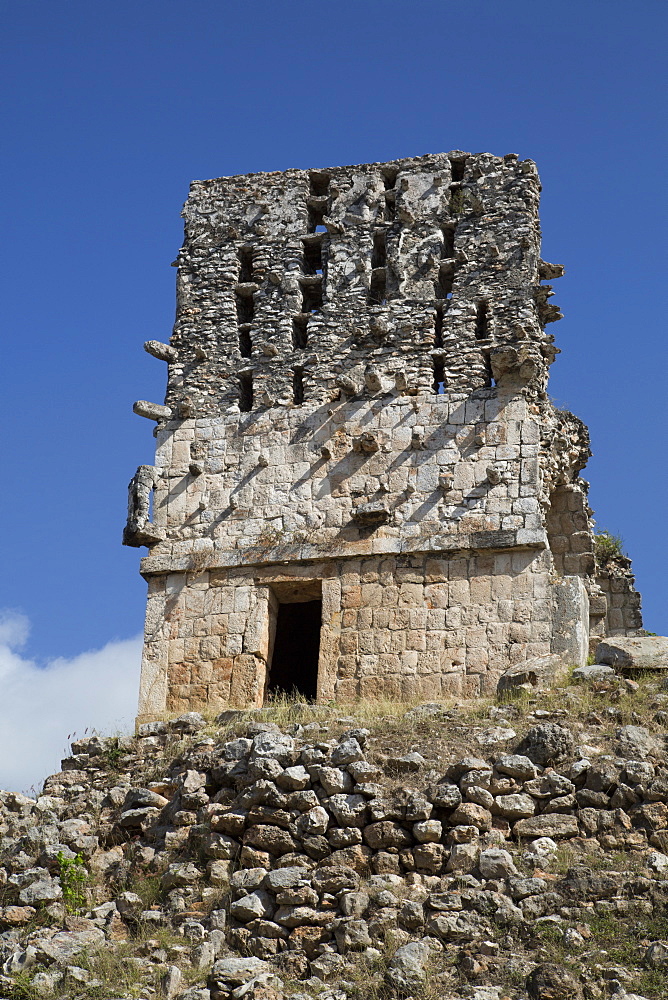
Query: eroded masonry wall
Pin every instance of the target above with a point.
(356, 415)
(393, 474)
(623, 614)
(290, 285)
(439, 494)
(397, 627)
(569, 531)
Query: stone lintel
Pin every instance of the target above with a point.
(153, 565)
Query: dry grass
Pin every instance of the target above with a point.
(593, 711)
(366, 976)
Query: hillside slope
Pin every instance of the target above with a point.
(509, 848)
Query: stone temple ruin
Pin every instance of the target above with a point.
(361, 488)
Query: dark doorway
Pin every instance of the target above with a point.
(294, 663)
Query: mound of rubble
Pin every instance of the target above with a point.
(279, 864)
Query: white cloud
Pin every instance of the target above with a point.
(41, 705)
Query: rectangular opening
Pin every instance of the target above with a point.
(448, 249)
(300, 332)
(378, 287)
(312, 259)
(298, 386)
(457, 168)
(446, 278)
(489, 378)
(439, 375)
(246, 392)
(245, 342)
(390, 180)
(312, 295)
(296, 620)
(245, 307)
(379, 254)
(457, 199)
(438, 325)
(482, 321)
(245, 264)
(316, 215)
(319, 184)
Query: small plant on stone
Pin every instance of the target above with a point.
(607, 546)
(114, 969)
(113, 755)
(74, 878)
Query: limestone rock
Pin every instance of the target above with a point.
(538, 672)
(16, 916)
(459, 927)
(285, 878)
(347, 752)
(463, 858)
(386, 834)
(546, 825)
(637, 652)
(495, 863)
(64, 945)
(656, 956)
(352, 934)
(179, 875)
(256, 905)
(334, 781)
(552, 982)
(406, 973)
(593, 672)
(636, 743)
(430, 858)
(514, 806)
(516, 766)
(470, 814)
(445, 795)
(272, 839)
(40, 892)
(189, 722)
(171, 982)
(278, 746)
(228, 973)
(547, 743)
(348, 810)
(428, 831)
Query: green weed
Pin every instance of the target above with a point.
(607, 546)
(74, 878)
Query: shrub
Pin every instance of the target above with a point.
(607, 546)
(73, 876)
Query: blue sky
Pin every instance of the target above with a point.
(110, 109)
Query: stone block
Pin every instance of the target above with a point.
(570, 627)
(639, 653)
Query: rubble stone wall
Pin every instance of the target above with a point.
(623, 615)
(321, 272)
